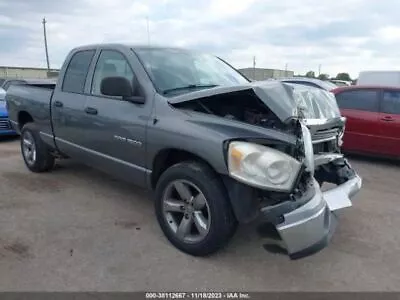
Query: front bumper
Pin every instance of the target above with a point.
(308, 228)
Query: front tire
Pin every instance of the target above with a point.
(193, 209)
(36, 154)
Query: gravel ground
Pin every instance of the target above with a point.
(76, 229)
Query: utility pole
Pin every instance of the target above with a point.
(45, 43)
(254, 67)
(319, 70)
(148, 30)
(286, 70)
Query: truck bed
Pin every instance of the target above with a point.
(32, 98)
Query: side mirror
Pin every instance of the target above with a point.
(119, 86)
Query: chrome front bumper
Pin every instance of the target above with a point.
(308, 228)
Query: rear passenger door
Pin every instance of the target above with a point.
(68, 103)
(390, 122)
(361, 109)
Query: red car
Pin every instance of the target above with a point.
(373, 119)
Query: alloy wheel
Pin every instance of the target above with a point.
(186, 211)
(29, 148)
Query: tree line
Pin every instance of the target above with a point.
(339, 76)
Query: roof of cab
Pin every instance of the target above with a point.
(125, 46)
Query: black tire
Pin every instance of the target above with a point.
(43, 161)
(223, 223)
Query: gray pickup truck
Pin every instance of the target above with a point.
(217, 149)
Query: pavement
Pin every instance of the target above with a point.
(76, 229)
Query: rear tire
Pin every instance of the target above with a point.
(36, 154)
(204, 206)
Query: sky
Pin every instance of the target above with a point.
(339, 36)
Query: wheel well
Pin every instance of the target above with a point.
(167, 158)
(23, 118)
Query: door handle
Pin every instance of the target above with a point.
(91, 110)
(58, 104)
(387, 119)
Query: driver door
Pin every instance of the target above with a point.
(117, 130)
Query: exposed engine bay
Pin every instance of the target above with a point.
(242, 106)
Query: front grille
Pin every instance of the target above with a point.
(325, 135)
(325, 147)
(5, 124)
(325, 141)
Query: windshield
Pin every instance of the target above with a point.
(184, 71)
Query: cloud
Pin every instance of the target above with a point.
(341, 37)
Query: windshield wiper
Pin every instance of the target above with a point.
(189, 87)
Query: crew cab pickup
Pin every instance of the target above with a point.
(217, 149)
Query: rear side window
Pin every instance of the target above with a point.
(366, 100)
(391, 102)
(75, 75)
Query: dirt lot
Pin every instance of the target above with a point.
(78, 229)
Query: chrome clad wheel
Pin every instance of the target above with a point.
(29, 148)
(186, 210)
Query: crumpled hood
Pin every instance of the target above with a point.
(286, 101)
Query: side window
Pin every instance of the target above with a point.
(391, 102)
(75, 75)
(366, 100)
(110, 63)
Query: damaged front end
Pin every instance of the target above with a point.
(272, 181)
(307, 229)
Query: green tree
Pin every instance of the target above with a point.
(343, 76)
(323, 76)
(310, 74)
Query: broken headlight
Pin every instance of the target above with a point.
(262, 166)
